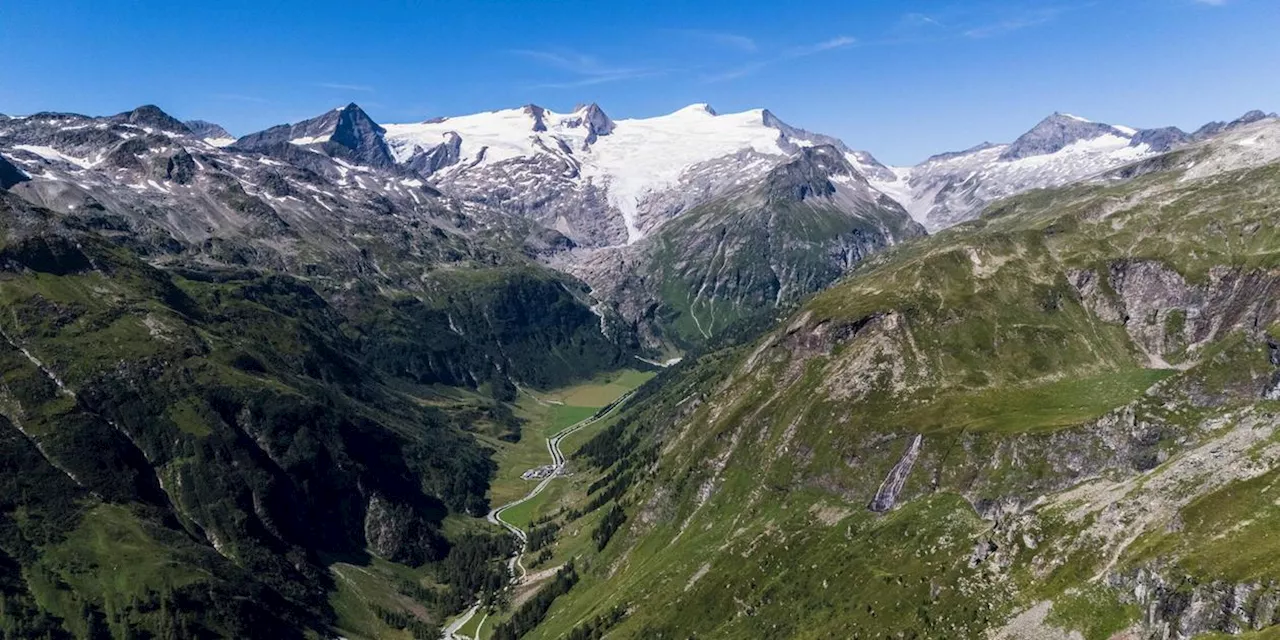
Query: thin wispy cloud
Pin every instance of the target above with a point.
(744, 70)
(565, 60)
(838, 42)
(718, 38)
(977, 21)
(587, 70)
(1003, 27)
(1212, 3)
(345, 87)
(736, 72)
(237, 97)
(917, 20)
(1014, 22)
(600, 79)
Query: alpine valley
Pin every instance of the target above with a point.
(545, 374)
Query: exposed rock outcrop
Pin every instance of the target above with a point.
(1178, 607)
(1166, 315)
(394, 532)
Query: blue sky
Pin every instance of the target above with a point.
(902, 79)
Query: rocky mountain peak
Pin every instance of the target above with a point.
(353, 115)
(1253, 116)
(346, 132)
(151, 116)
(1214, 128)
(597, 122)
(353, 120)
(205, 129)
(699, 107)
(1055, 133)
(594, 119)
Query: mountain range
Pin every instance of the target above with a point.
(275, 382)
(588, 195)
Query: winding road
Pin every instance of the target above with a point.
(495, 516)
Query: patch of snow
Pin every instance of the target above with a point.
(669, 362)
(219, 142)
(49, 153)
(304, 141)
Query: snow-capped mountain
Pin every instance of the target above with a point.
(689, 219)
(950, 188)
(337, 195)
(793, 232)
(598, 181)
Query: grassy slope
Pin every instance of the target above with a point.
(998, 352)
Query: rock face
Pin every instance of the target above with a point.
(1167, 317)
(809, 175)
